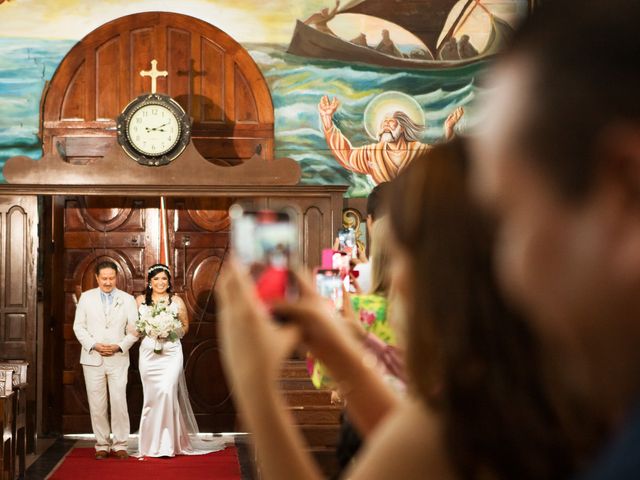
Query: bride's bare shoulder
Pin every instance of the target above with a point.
(140, 300)
(177, 298)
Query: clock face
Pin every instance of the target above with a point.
(153, 129)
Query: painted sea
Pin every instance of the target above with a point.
(296, 84)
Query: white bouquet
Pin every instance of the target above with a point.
(159, 322)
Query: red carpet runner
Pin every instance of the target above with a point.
(80, 463)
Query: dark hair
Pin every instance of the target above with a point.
(106, 264)
(468, 355)
(154, 270)
(584, 77)
(375, 201)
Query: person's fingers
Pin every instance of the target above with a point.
(294, 313)
(347, 308)
(304, 283)
(355, 284)
(235, 286)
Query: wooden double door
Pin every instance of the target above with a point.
(77, 231)
(126, 231)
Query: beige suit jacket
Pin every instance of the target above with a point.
(92, 325)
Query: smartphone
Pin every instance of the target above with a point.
(347, 242)
(329, 285)
(266, 241)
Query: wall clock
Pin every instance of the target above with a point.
(153, 129)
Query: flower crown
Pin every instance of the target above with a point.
(159, 267)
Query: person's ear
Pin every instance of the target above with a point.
(618, 153)
(619, 164)
(369, 221)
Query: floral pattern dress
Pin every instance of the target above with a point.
(372, 311)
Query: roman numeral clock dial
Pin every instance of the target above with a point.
(153, 129)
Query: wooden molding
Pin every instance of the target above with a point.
(116, 168)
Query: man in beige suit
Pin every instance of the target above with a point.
(105, 318)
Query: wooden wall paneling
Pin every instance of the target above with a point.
(179, 66)
(141, 52)
(90, 88)
(209, 104)
(107, 85)
(229, 89)
(314, 235)
(18, 281)
(74, 102)
(228, 151)
(15, 284)
(314, 219)
(124, 73)
(246, 108)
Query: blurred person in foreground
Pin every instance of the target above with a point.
(476, 407)
(559, 165)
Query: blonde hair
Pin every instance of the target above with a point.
(380, 257)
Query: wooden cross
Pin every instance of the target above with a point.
(154, 73)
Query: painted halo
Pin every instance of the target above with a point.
(385, 104)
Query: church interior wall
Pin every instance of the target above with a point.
(33, 41)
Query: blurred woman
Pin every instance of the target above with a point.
(367, 314)
(476, 406)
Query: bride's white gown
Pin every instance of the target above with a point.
(167, 424)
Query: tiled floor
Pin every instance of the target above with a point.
(50, 451)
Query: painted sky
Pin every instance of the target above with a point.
(251, 21)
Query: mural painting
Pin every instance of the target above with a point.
(359, 87)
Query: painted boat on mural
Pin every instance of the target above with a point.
(308, 41)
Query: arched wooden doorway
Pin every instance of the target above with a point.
(217, 82)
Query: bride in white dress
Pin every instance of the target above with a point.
(167, 425)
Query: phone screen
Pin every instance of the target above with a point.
(329, 285)
(347, 242)
(267, 242)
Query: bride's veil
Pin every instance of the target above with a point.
(185, 406)
(199, 444)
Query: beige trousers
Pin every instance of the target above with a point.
(110, 379)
